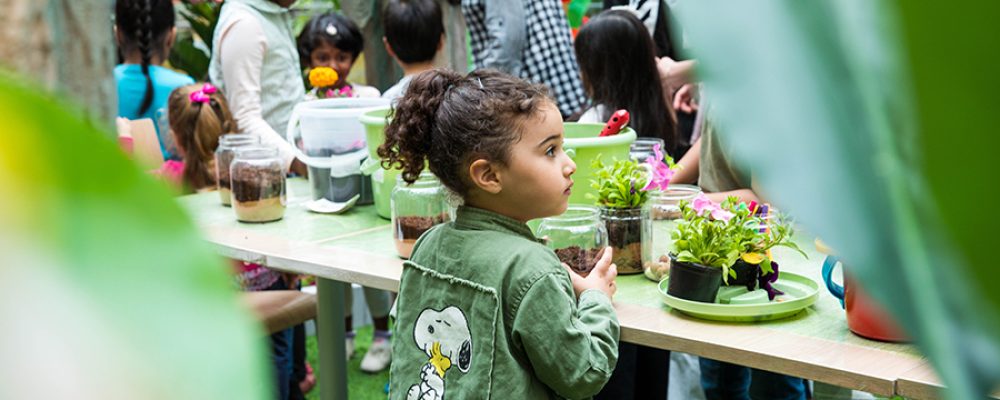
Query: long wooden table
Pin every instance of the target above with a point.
(356, 247)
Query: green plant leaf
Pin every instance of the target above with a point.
(857, 155)
(136, 305)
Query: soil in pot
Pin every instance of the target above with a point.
(625, 239)
(693, 282)
(259, 195)
(409, 228)
(746, 275)
(580, 260)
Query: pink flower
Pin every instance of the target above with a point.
(660, 173)
(702, 203)
(719, 214)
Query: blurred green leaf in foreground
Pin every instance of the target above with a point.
(107, 290)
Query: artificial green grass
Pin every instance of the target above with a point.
(360, 385)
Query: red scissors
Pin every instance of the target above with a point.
(615, 124)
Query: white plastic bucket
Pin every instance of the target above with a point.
(319, 129)
(322, 130)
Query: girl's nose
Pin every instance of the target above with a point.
(570, 168)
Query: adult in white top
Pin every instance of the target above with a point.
(256, 64)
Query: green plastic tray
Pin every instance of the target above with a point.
(737, 304)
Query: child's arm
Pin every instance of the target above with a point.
(688, 171)
(572, 344)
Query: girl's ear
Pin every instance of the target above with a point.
(169, 41)
(388, 49)
(485, 176)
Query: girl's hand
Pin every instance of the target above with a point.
(686, 98)
(602, 277)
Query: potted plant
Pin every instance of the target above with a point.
(623, 188)
(759, 230)
(714, 243)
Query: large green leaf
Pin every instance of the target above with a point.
(107, 290)
(859, 129)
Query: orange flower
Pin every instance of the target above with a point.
(323, 77)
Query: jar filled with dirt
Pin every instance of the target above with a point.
(578, 237)
(258, 185)
(665, 205)
(224, 155)
(416, 208)
(630, 235)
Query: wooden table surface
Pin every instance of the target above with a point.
(357, 247)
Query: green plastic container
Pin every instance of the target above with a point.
(582, 145)
(383, 180)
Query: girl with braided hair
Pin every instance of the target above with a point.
(144, 32)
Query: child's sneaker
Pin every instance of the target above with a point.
(349, 344)
(378, 356)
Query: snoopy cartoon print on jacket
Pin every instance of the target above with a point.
(444, 336)
(486, 311)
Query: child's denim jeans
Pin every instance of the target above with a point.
(724, 381)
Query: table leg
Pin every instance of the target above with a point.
(330, 340)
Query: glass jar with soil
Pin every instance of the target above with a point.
(224, 155)
(665, 205)
(630, 235)
(578, 237)
(258, 185)
(416, 208)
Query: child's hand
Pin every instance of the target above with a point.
(602, 277)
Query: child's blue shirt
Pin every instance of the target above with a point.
(132, 88)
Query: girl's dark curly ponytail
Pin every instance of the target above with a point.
(447, 120)
(408, 138)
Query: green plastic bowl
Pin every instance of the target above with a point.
(582, 145)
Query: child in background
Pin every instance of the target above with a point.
(414, 34)
(199, 116)
(143, 85)
(485, 310)
(331, 40)
(618, 66)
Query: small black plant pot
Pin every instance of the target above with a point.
(746, 275)
(693, 282)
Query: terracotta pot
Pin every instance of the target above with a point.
(865, 317)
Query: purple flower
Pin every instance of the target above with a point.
(765, 282)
